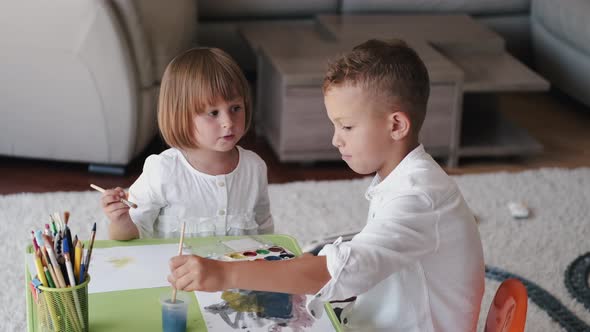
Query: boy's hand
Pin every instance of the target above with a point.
(112, 206)
(191, 273)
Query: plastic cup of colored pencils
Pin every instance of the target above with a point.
(60, 286)
(63, 309)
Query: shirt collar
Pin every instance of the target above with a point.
(378, 185)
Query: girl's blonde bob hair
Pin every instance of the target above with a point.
(195, 79)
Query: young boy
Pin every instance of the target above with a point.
(418, 263)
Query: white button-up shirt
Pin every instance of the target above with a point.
(417, 265)
(170, 191)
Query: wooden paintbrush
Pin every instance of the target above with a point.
(179, 253)
(123, 200)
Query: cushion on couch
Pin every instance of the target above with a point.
(229, 9)
(157, 32)
(136, 35)
(567, 21)
(475, 7)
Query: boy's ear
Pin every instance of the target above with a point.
(399, 125)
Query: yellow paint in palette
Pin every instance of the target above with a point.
(120, 262)
(236, 255)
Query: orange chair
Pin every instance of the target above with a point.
(508, 309)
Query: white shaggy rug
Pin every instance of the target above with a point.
(539, 248)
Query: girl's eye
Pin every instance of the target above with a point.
(236, 108)
(346, 128)
(214, 113)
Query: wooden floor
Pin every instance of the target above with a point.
(557, 122)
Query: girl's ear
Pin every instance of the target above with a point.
(399, 125)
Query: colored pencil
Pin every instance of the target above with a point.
(89, 251)
(44, 258)
(72, 278)
(35, 245)
(123, 200)
(49, 246)
(49, 278)
(77, 257)
(40, 271)
(53, 315)
(179, 253)
(53, 276)
(82, 273)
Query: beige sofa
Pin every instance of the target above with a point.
(561, 43)
(80, 77)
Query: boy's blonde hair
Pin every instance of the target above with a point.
(385, 68)
(192, 81)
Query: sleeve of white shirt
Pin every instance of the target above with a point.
(147, 193)
(398, 233)
(262, 213)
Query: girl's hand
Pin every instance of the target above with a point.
(191, 273)
(112, 206)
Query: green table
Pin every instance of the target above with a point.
(139, 309)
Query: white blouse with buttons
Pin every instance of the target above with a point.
(417, 265)
(170, 191)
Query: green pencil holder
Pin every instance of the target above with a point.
(63, 309)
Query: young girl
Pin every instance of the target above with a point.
(204, 179)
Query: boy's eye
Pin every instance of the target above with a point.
(214, 113)
(346, 127)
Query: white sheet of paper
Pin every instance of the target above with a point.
(134, 267)
(124, 268)
(225, 320)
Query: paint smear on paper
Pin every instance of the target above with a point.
(121, 262)
(265, 304)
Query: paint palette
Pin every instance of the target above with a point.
(273, 253)
(245, 249)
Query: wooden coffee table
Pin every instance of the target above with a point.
(462, 57)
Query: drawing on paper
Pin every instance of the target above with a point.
(121, 262)
(253, 311)
(274, 312)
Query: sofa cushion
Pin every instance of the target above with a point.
(157, 32)
(476, 7)
(225, 9)
(136, 37)
(171, 29)
(567, 21)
